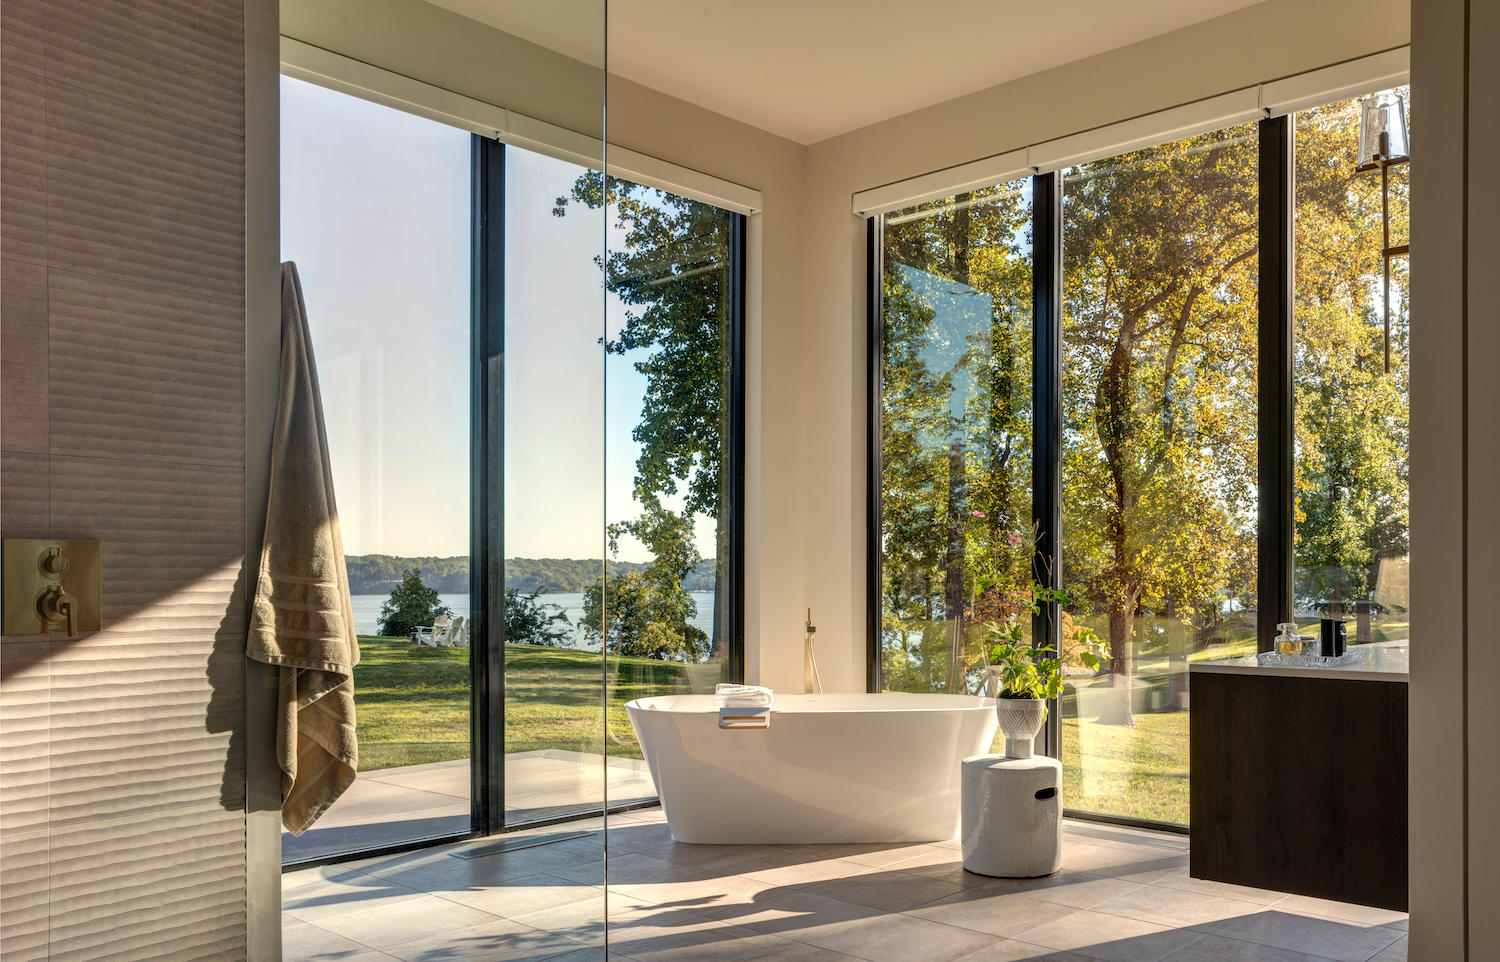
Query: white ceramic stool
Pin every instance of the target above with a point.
(1012, 816)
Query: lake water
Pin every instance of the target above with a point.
(367, 611)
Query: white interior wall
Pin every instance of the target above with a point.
(437, 46)
(1436, 707)
(1455, 765)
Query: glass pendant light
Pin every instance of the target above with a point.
(1383, 144)
(1382, 131)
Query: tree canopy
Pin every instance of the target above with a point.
(530, 621)
(671, 274)
(412, 605)
(955, 432)
(1159, 378)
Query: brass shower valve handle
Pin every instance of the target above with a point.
(55, 604)
(54, 563)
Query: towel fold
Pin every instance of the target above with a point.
(301, 620)
(745, 717)
(744, 696)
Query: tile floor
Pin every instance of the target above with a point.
(1123, 895)
(394, 805)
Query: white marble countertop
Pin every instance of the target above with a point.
(1384, 661)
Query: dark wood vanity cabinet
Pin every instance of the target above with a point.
(1299, 784)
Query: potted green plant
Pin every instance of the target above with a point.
(1024, 678)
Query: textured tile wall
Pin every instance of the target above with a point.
(122, 412)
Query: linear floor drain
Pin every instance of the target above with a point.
(518, 842)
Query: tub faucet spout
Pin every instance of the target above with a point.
(812, 683)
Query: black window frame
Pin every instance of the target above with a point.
(487, 487)
(1275, 564)
(487, 518)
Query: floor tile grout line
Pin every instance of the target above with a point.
(1201, 927)
(579, 944)
(1280, 897)
(1258, 945)
(1308, 913)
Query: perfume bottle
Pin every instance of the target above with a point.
(1288, 642)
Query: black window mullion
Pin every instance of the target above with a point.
(1275, 426)
(874, 578)
(738, 225)
(1046, 415)
(487, 496)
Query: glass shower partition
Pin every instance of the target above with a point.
(435, 193)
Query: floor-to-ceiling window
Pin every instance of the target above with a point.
(376, 215)
(551, 505)
(1158, 452)
(468, 311)
(955, 434)
(1350, 367)
(1180, 539)
(669, 613)
(662, 603)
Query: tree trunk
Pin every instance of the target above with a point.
(953, 565)
(1121, 653)
(1177, 659)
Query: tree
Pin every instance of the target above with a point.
(649, 613)
(672, 274)
(1159, 379)
(411, 605)
(532, 622)
(956, 434)
(1352, 415)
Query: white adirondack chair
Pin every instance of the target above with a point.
(430, 635)
(448, 639)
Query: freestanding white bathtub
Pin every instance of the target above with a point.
(831, 768)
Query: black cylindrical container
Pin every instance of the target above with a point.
(1331, 637)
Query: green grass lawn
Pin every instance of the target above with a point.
(412, 701)
(413, 707)
(1140, 771)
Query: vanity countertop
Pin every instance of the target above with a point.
(1383, 661)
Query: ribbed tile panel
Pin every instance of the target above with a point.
(23, 132)
(23, 354)
(131, 190)
(147, 371)
(122, 404)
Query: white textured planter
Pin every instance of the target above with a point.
(1020, 720)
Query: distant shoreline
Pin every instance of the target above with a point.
(367, 610)
(372, 574)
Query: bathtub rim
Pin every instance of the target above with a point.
(796, 703)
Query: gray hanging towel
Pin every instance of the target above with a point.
(301, 620)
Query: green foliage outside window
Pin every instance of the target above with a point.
(671, 272)
(529, 621)
(412, 605)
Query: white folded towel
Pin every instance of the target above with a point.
(736, 716)
(744, 696)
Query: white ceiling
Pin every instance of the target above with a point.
(812, 69)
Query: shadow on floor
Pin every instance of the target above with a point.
(1120, 896)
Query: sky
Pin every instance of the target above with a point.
(376, 214)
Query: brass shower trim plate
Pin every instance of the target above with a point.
(42, 574)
